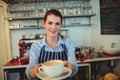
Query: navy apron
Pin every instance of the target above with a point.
(49, 55)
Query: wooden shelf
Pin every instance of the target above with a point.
(34, 1)
(26, 28)
(70, 16)
(77, 25)
(43, 28)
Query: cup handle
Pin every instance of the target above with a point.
(40, 69)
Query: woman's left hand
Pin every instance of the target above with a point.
(69, 65)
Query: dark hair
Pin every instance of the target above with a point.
(53, 11)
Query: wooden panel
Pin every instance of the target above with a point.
(3, 54)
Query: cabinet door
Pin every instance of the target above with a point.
(15, 74)
(84, 72)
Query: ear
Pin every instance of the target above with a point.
(43, 23)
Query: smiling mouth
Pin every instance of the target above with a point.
(53, 31)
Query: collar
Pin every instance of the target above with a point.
(60, 41)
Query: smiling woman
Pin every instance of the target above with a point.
(52, 47)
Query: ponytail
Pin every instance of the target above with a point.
(61, 35)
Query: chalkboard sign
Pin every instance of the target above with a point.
(110, 17)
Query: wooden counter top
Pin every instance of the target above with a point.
(16, 64)
(21, 64)
(100, 59)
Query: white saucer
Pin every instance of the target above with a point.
(66, 72)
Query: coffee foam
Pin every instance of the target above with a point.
(53, 63)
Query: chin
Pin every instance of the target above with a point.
(53, 35)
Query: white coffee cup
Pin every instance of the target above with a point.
(52, 68)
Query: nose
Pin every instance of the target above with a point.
(54, 26)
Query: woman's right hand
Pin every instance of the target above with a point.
(34, 71)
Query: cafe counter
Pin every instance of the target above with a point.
(15, 69)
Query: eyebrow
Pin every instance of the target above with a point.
(55, 22)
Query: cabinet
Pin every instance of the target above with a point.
(14, 70)
(75, 13)
(90, 69)
(15, 74)
(84, 72)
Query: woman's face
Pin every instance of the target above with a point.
(52, 25)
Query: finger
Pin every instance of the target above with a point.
(65, 63)
(38, 66)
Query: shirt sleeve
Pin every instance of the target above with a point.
(34, 53)
(71, 54)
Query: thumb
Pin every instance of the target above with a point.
(65, 63)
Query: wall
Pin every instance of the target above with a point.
(81, 36)
(97, 39)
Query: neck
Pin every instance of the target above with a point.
(52, 41)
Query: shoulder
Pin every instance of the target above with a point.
(69, 45)
(67, 41)
(37, 43)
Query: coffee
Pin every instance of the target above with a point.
(51, 63)
(52, 68)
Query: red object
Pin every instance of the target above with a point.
(86, 57)
(24, 60)
(21, 48)
(111, 55)
(22, 52)
(18, 62)
(82, 59)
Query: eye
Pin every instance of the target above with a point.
(57, 24)
(49, 23)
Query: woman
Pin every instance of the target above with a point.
(52, 46)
